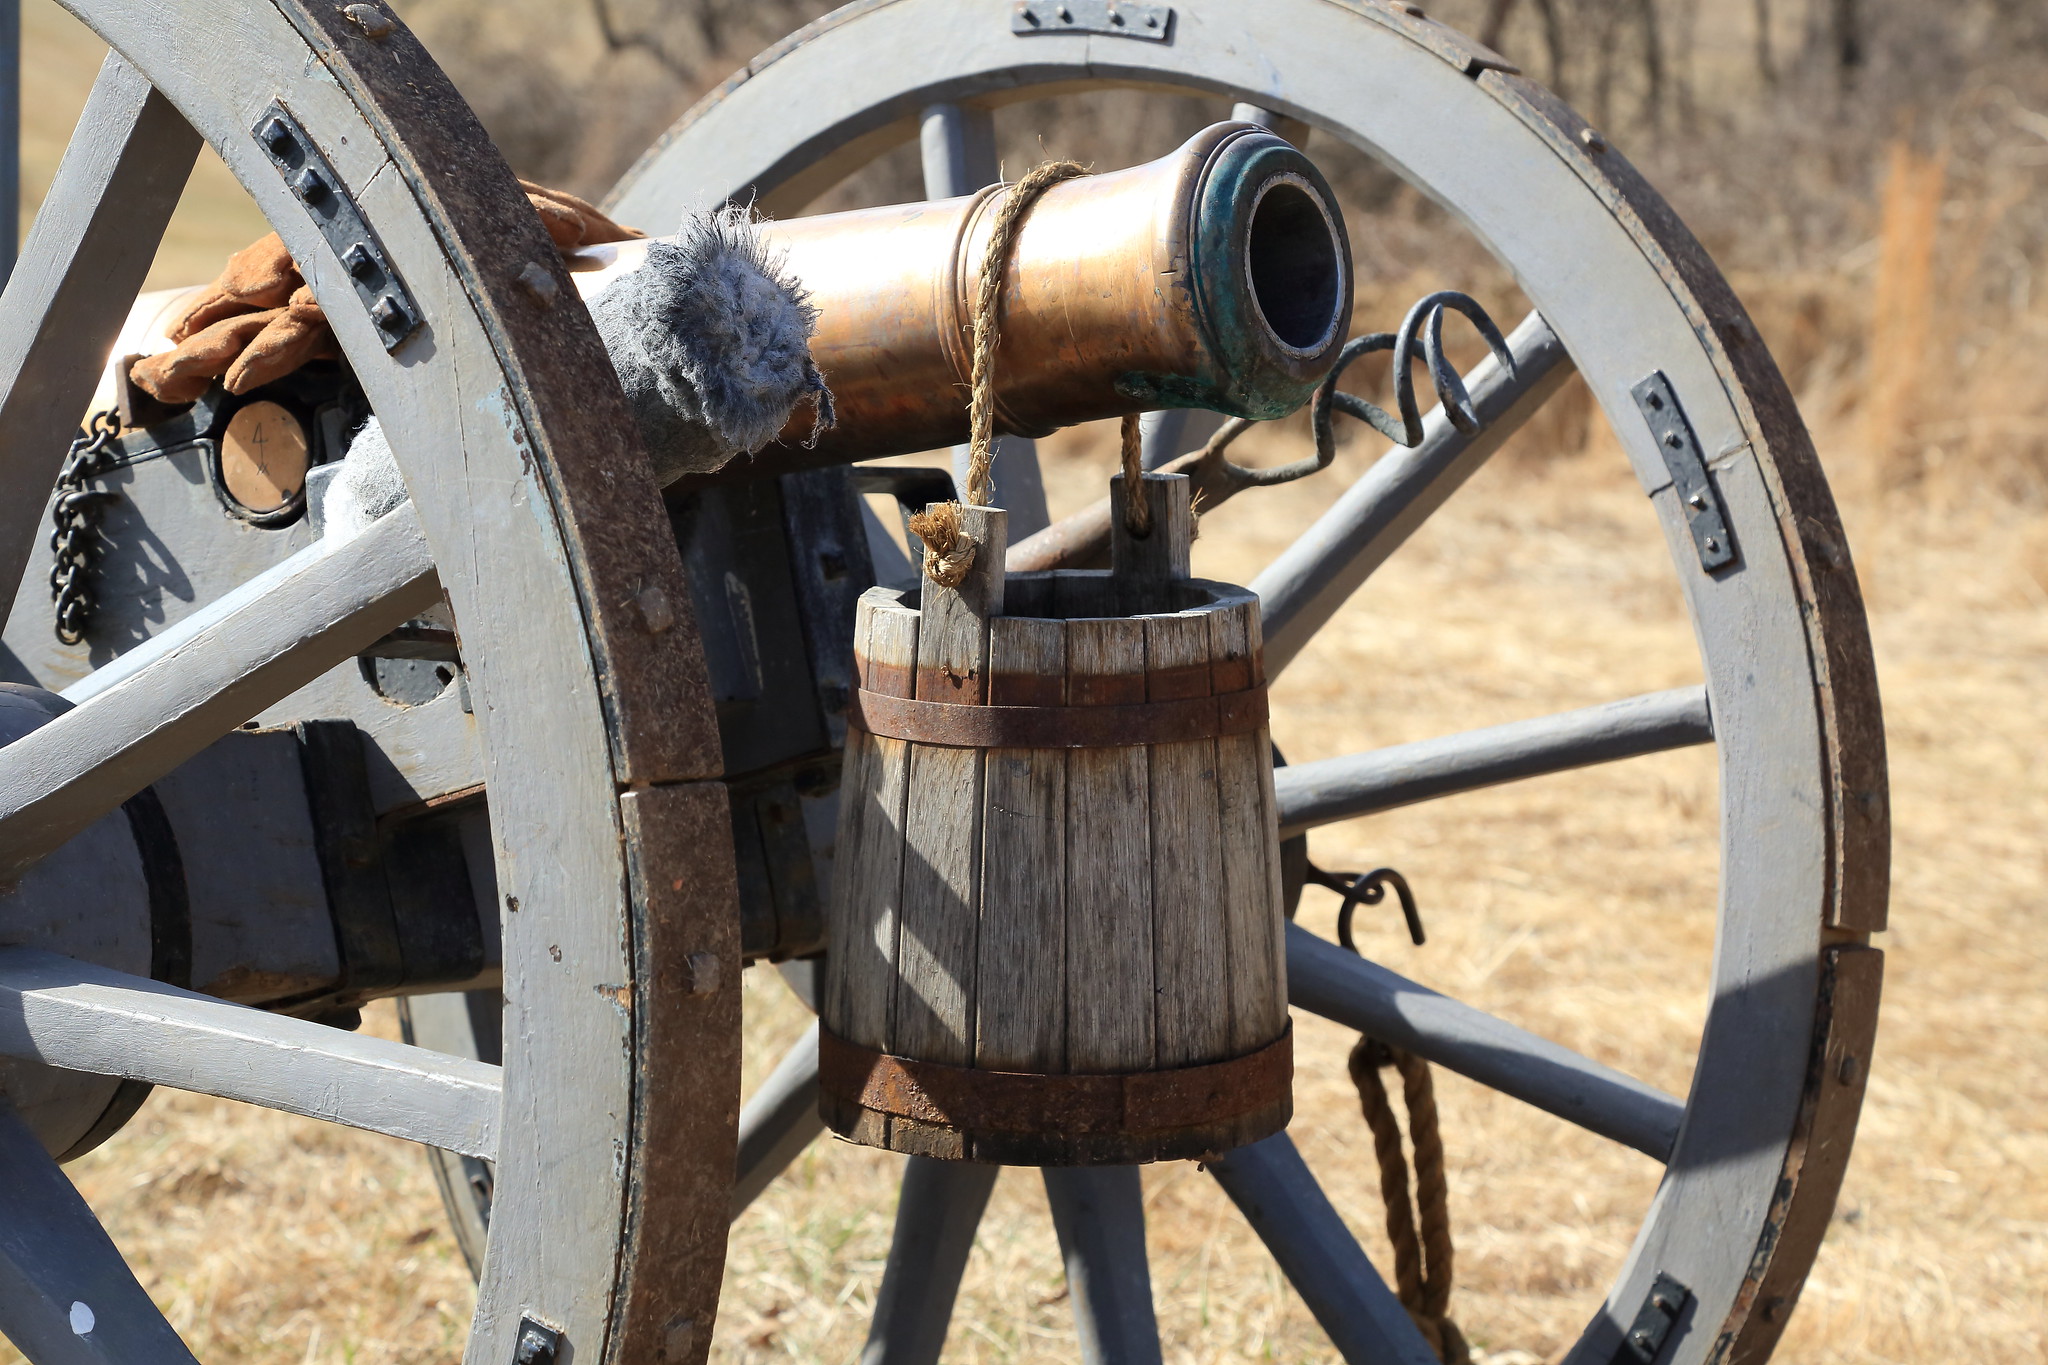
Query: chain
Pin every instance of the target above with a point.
(75, 521)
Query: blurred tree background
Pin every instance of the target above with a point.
(1870, 172)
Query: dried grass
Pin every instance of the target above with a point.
(1579, 905)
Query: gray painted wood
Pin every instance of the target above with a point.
(175, 695)
(1020, 1000)
(260, 923)
(778, 1121)
(462, 1024)
(1325, 979)
(936, 1216)
(1110, 982)
(70, 1014)
(1301, 590)
(66, 1296)
(860, 984)
(102, 870)
(1099, 1214)
(958, 143)
(1173, 432)
(1275, 1191)
(87, 253)
(943, 812)
(1331, 789)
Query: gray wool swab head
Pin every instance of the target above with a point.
(711, 341)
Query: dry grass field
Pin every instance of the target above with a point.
(1580, 906)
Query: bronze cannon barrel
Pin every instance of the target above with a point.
(1214, 277)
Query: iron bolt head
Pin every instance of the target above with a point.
(310, 186)
(278, 137)
(1673, 439)
(1713, 544)
(1698, 502)
(359, 260)
(389, 314)
(1641, 1340)
(1592, 141)
(1066, 15)
(374, 23)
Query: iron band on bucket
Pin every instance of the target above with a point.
(1058, 727)
(1024, 1118)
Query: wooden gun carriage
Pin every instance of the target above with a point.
(552, 758)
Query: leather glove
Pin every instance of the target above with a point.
(573, 222)
(258, 322)
(295, 334)
(183, 374)
(259, 276)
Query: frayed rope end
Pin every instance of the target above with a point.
(948, 550)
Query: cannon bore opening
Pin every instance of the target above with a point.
(1292, 260)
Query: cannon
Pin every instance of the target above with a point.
(551, 758)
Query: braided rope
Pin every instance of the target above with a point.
(1137, 507)
(1422, 1263)
(948, 549)
(988, 304)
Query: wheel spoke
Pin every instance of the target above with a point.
(1325, 979)
(86, 257)
(1100, 1215)
(1271, 1185)
(1332, 789)
(936, 1217)
(959, 146)
(71, 1014)
(66, 1296)
(171, 697)
(1304, 587)
(779, 1121)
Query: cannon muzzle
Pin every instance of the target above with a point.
(1215, 277)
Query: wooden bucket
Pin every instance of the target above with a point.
(1056, 933)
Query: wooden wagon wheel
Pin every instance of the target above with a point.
(1754, 1155)
(534, 515)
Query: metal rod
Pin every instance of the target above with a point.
(1301, 590)
(66, 1296)
(1099, 1213)
(1332, 789)
(1325, 979)
(936, 1217)
(779, 1121)
(1274, 1189)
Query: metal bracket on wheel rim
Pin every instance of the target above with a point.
(314, 183)
(1688, 467)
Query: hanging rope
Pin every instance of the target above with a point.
(949, 551)
(1137, 507)
(1422, 1261)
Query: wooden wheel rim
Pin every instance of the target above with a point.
(535, 501)
(1805, 836)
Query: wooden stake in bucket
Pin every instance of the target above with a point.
(1056, 938)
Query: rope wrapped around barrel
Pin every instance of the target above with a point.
(949, 550)
(1422, 1260)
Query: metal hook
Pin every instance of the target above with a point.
(1424, 325)
(1368, 888)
